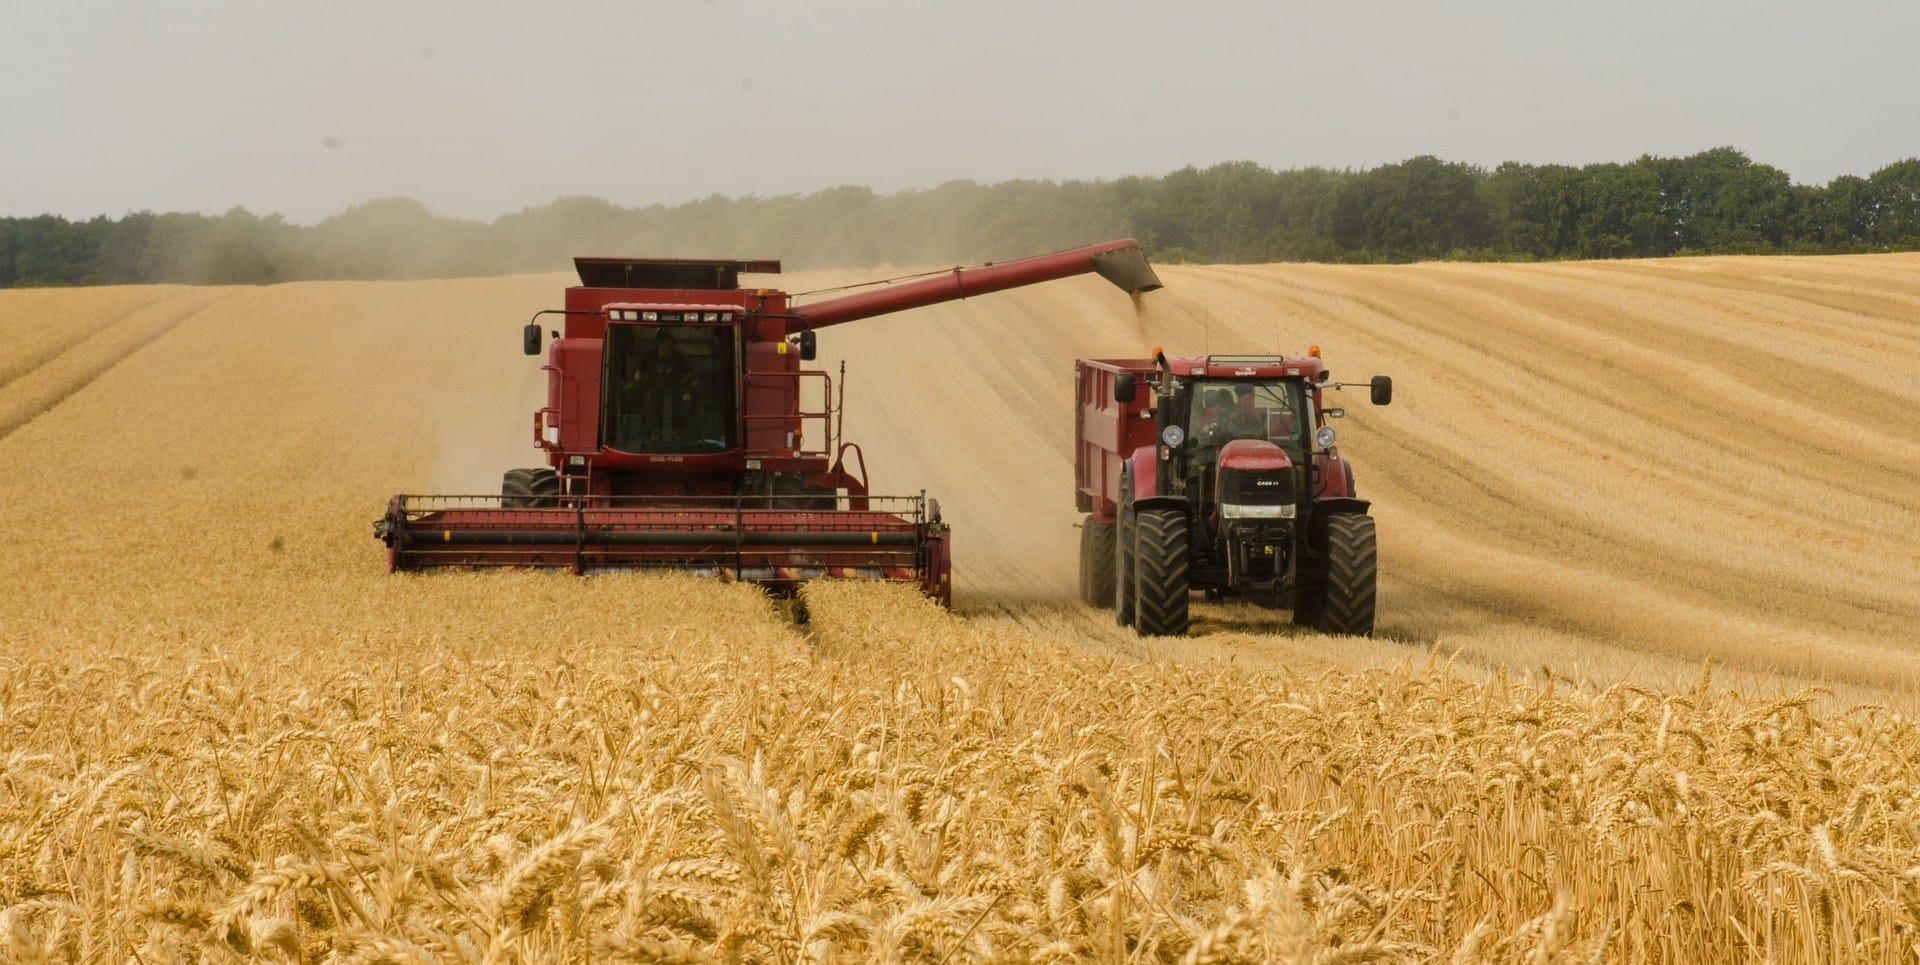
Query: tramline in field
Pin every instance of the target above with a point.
(681, 432)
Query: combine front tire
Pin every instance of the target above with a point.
(1096, 563)
(544, 484)
(514, 490)
(529, 487)
(1161, 585)
(1352, 564)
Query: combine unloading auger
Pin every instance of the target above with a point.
(682, 433)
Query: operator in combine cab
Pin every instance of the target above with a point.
(660, 389)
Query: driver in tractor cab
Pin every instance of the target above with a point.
(1226, 415)
(1213, 412)
(660, 389)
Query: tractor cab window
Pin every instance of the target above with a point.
(1223, 411)
(670, 388)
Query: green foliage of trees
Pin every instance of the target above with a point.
(1422, 208)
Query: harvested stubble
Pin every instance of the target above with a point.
(898, 784)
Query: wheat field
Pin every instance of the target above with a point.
(226, 733)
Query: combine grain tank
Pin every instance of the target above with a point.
(681, 431)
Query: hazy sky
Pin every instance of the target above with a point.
(482, 108)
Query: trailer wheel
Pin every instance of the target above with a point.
(1161, 586)
(514, 488)
(1123, 560)
(1096, 563)
(1352, 565)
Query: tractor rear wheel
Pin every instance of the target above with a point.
(1123, 560)
(1096, 563)
(1352, 565)
(1161, 586)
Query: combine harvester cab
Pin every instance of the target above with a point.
(681, 432)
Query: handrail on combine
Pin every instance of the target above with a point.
(829, 415)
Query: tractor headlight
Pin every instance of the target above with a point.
(1244, 511)
(1325, 437)
(1173, 436)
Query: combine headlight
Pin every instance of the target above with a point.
(1325, 437)
(1241, 511)
(649, 316)
(710, 317)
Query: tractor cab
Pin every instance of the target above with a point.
(1239, 447)
(1221, 411)
(1222, 416)
(1246, 454)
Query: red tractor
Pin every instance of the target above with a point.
(1219, 474)
(680, 431)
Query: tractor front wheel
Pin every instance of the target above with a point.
(1162, 559)
(1096, 563)
(1352, 564)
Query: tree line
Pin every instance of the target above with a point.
(1716, 201)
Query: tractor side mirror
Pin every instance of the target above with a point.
(1124, 389)
(1334, 413)
(1382, 390)
(808, 347)
(530, 338)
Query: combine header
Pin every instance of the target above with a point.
(681, 432)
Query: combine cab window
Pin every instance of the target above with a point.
(1223, 411)
(670, 388)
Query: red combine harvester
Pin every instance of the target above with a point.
(1219, 474)
(681, 432)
